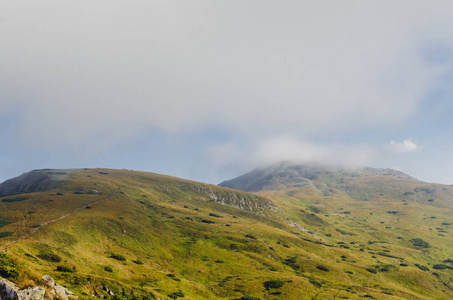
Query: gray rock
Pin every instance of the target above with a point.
(35, 293)
(10, 291)
(58, 290)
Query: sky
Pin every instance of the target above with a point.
(208, 90)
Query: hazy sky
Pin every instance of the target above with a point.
(207, 90)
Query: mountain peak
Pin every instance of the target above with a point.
(286, 173)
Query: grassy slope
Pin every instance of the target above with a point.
(158, 220)
(375, 217)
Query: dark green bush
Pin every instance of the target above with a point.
(176, 295)
(138, 262)
(273, 284)
(371, 270)
(417, 242)
(65, 269)
(250, 236)
(423, 268)
(249, 298)
(207, 221)
(49, 256)
(322, 268)
(108, 269)
(214, 215)
(440, 266)
(4, 222)
(118, 257)
(393, 212)
(6, 233)
(290, 260)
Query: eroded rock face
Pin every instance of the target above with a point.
(10, 291)
(57, 290)
(35, 293)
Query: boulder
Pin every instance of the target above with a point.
(10, 291)
(57, 290)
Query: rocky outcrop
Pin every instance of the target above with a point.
(253, 203)
(34, 181)
(10, 291)
(57, 290)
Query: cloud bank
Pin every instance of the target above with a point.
(102, 71)
(83, 77)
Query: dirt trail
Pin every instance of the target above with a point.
(41, 225)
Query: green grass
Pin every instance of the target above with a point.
(164, 233)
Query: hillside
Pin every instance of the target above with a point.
(380, 215)
(333, 234)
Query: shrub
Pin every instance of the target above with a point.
(345, 232)
(60, 194)
(315, 282)
(177, 294)
(322, 268)
(65, 269)
(118, 257)
(108, 269)
(290, 260)
(249, 298)
(6, 233)
(250, 236)
(423, 268)
(371, 270)
(393, 212)
(273, 284)
(440, 266)
(138, 262)
(417, 242)
(207, 221)
(214, 215)
(49, 256)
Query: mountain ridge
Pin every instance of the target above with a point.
(138, 235)
(286, 173)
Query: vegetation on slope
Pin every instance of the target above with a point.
(141, 235)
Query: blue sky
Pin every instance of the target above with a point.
(208, 90)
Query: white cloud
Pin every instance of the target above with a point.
(403, 147)
(84, 75)
(289, 148)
